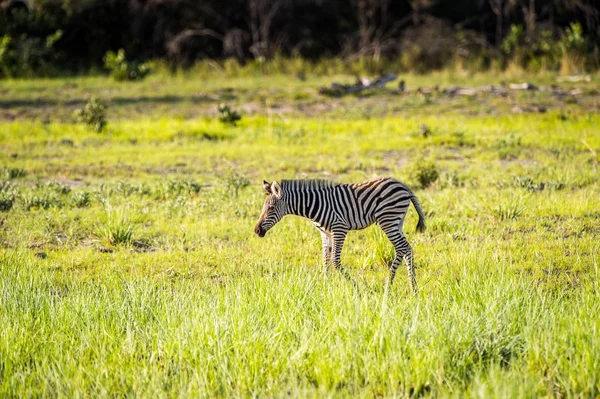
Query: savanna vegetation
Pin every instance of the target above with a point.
(129, 266)
(134, 139)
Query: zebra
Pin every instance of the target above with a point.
(335, 209)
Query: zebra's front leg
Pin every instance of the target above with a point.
(327, 241)
(339, 236)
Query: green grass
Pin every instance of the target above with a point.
(129, 266)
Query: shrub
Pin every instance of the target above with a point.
(93, 115)
(54, 186)
(7, 187)
(235, 182)
(117, 228)
(173, 188)
(424, 173)
(452, 179)
(574, 47)
(509, 210)
(508, 147)
(5, 53)
(531, 185)
(7, 201)
(435, 43)
(41, 201)
(227, 115)
(28, 53)
(126, 189)
(81, 199)
(13, 173)
(121, 69)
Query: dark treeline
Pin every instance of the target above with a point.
(42, 36)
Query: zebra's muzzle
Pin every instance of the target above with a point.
(259, 231)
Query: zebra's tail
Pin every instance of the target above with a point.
(421, 224)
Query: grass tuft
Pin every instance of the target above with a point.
(117, 228)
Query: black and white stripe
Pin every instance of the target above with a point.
(336, 209)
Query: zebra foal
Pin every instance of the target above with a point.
(335, 209)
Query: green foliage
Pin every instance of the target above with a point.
(117, 227)
(513, 40)
(509, 146)
(93, 115)
(46, 38)
(43, 200)
(234, 182)
(535, 52)
(26, 56)
(574, 47)
(123, 70)
(172, 188)
(13, 173)
(509, 210)
(228, 115)
(509, 298)
(573, 40)
(424, 173)
(532, 185)
(7, 201)
(8, 195)
(5, 55)
(54, 187)
(81, 199)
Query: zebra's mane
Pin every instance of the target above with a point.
(306, 184)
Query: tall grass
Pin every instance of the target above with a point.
(293, 333)
(135, 271)
(117, 227)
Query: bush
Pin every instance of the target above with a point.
(535, 52)
(93, 115)
(28, 54)
(117, 228)
(121, 69)
(435, 43)
(82, 199)
(13, 173)
(509, 210)
(235, 182)
(574, 48)
(424, 173)
(54, 186)
(6, 202)
(227, 115)
(41, 201)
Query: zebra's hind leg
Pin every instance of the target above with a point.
(403, 251)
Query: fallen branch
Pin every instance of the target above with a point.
(338, 90)
(575, 78)
(522, 86)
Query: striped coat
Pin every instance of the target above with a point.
(335, 209)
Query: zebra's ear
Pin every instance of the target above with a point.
(276, 189)
(267, 186)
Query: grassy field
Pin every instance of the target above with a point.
(129, 266)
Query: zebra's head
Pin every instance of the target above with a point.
(274, 208)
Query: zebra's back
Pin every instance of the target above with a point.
(355, 206)
(381, 198)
